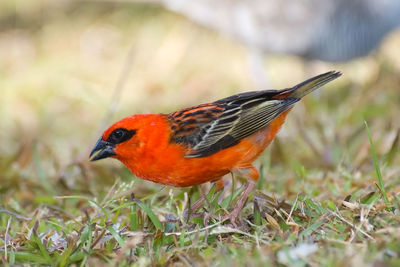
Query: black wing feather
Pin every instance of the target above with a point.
(249, 117)
(209, 128)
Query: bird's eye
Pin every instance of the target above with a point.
(120, 135)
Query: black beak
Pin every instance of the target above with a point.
(101, 150)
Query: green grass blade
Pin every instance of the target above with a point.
(312, 228)
(377, 168)
(116, 236)
(116, 215)
(182, 238)
(77, 256)
(27, 257)
(63, 259)
(11, 256)
(154, 219)
(314, 206)
(257, 213)
(134, 220)
(42, 249)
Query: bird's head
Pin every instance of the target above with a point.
(118, 141)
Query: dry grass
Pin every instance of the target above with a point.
(317, 203)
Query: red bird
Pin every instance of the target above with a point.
(202, 143)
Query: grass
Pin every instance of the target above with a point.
(330, 183)
(380, 184)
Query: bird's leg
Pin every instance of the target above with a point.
(247, 171)
(220, 185)
(226, 186)
(233, 216)
(193, 208)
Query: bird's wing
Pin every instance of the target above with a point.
(209, 128)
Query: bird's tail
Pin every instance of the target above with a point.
(311, 84)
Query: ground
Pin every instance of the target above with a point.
(329, 187)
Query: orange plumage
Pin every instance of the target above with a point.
(151, 155)
(202, 143)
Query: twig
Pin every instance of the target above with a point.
(195, 231)
(5, 237)
(16, 215)
(292, 209)
(110, 192)
(352, 225)
(362, 219)
(225, 229)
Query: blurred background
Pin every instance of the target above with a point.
(68, 69)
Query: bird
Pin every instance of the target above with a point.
(203, 143)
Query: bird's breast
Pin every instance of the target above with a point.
(164, 162)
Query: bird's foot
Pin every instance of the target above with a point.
(234, 216)
(191, 211)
